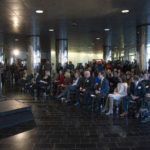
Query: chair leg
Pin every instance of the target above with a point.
(92, 104)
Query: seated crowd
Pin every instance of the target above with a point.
(95, 86)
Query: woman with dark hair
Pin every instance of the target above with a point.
(119, 92)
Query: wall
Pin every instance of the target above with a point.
(80, 49)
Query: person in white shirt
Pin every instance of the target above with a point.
(119, 92)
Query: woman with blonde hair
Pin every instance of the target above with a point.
(67, 81)
(119, 93)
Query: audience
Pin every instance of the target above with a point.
(105, 82)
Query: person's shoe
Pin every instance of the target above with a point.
(35, 99)
(58, 97)
(89, 108)
(63, 99)
(109, 113)
(147, 119)
(67, 102)
(124, 114)
(77, 104)
(103, 110)
(137, 115)
(97, 109)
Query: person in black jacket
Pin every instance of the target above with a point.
(85, 89)
(45, 82)
(114, 81)
(146, 82)
(35, 82)
(136, 92)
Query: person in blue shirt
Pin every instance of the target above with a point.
(95, 77)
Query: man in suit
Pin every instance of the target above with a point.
(136, 93)
(146, 82)
(85, 88)
(103, 89)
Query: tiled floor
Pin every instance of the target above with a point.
(60, 127)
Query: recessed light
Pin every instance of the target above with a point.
(16, 40)
(106, 29)
(39, 11)
(125, 11)
(51, 30)
(98, 38)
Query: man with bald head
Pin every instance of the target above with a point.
(86, 87)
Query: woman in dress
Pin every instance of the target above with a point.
(119, 92)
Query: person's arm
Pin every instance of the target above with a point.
(143, 91)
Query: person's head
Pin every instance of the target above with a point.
(67, 75)
(108, 71)
(70, 62)
(76, 75)
(135, 79)
(87, 74)
(36, 71)
(145, 76)
(68, 70)
(123, 79)
(25, 71)
(47, 73)
(47, 61)
(54, 71)
(115, 74)
(101, 75)
(60, 72)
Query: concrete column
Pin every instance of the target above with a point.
(1, 61)
(107, 46)
(62, 46)
(52, 48)
(33, 54)
(1, 48)
(8, 51)
(143, 40)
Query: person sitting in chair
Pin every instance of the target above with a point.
(136, 92)
(44, 83)
(119, 92)
(70, 88)
(85, 89)
(146, 82)
(103, 89)
(66, 82)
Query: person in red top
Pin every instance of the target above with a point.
(66, 82)
(108, 66)
(60, 78)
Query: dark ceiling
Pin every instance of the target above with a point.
(19, 17)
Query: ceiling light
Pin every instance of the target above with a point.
(16, 40)
(16, 52)
(125, 11)
(15, 21)
(51, 30)
(106, 29)
(98, 38)
(39, 11)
